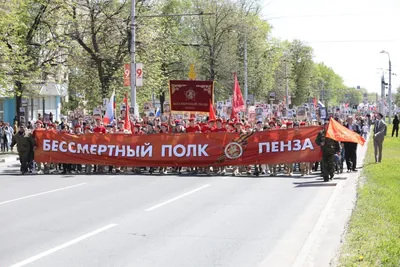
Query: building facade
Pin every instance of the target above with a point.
(47, 101)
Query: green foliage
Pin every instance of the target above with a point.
(92, 39)
(397, 97)
(301, 71)
(373, 236)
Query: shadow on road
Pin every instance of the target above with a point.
(314, 184)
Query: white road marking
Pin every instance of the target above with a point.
(65, 245)
(178, 197)
(225, 177)
(39, 194)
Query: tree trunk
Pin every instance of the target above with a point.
(104, 84)
(18, 100)
(212, 63)
(162, 100)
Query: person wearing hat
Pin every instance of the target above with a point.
(272, 125)
(230, 127)
(25, 146)
(329, 148)
(247, 128)
(219, 127)
(193, 128)
(136, 129)
(78, 129)
(259, 126)
(99, 127)
(164, 128)
(207, 128)
(239, 127)
(50, 126)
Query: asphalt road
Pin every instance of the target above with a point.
(143, 220)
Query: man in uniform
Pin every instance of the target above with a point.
(25, 146)
(329, 148)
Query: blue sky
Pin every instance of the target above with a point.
(346, 35)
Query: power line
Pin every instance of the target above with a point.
(327, 15)
(354, 41)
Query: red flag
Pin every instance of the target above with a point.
(211, 115)
(237, 101)
(315, 102)
(338, 132)
(127, 123)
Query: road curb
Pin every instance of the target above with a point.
(322, 247)
(9, 159)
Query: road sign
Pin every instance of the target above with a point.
(127, 74)
(139, 74)
(272, 96)
(24, 102)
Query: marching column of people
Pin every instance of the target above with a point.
(334, 153)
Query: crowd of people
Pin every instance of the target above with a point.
(345, 153)
(6, 133)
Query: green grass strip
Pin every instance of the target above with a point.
(373, 237)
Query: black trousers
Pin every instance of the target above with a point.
(395, 130)
(24, 159)
(350, 154)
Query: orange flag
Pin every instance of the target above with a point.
(338, 132)
(211, 115)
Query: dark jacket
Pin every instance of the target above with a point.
(25, 142)
(396, 123)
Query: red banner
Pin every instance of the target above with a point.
(186, 149)
(191, 96)
(127, 74)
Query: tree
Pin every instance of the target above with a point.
(301, 72)
(101, 29)
(397, 97)
(217, 37)
(32, 44)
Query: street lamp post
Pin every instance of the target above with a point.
(390, 86)
(133, 64)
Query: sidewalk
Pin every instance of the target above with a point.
(322, 246)
(6, 157)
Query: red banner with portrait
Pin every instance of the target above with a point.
(191, 96)
(186, 149)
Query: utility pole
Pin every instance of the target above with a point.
(390, 91)
(381, 103)
(133, 64)
(390, 86)
(287, 86)
(245, 70)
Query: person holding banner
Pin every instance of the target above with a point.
(329, 148)
(350, 148)
(25, 146)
